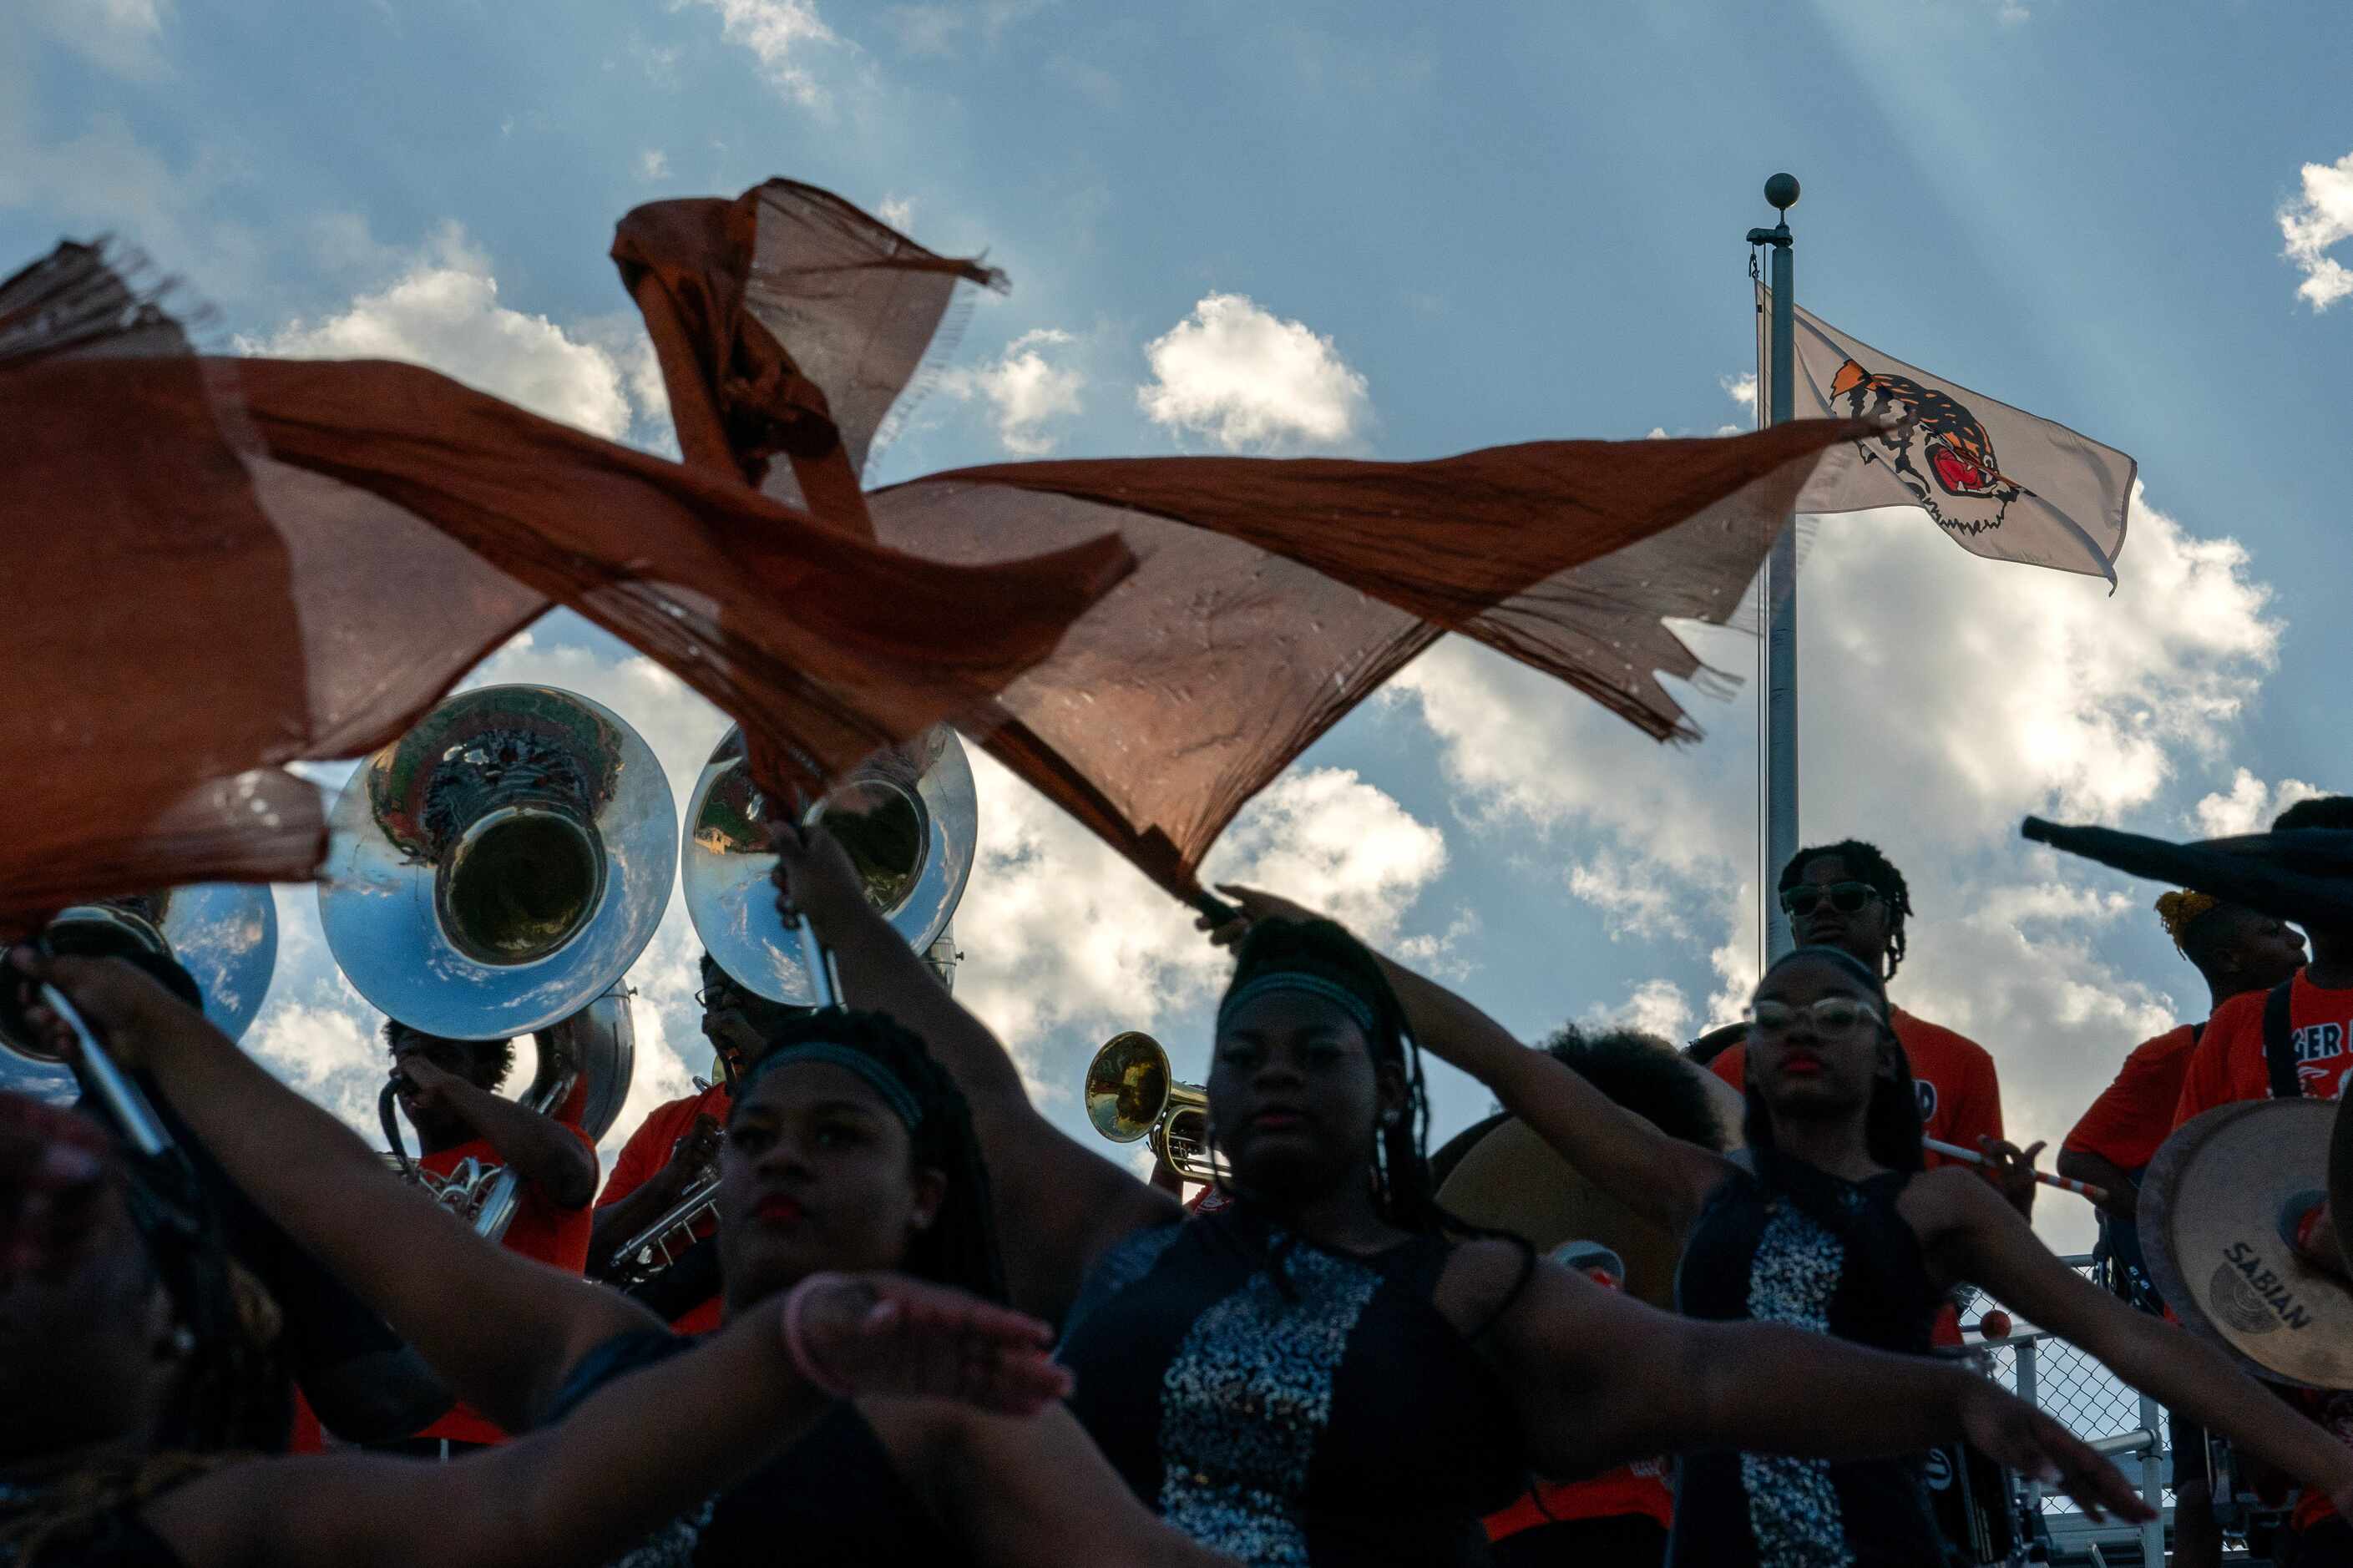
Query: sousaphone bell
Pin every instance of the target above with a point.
(224, 934)
(908, 818)
(494, 872)
(1131, 1093)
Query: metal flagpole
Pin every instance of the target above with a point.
(1780, 738)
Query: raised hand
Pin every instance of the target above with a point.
(887, 1334)
(1255, 906)
(130, 1012)
(814, 876)
(2021, 1437)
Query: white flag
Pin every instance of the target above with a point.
(1999, 482)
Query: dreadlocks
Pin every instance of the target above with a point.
(960, 1246)
(1322, 955)
(1866, 864)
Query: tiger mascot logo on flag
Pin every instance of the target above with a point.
(1962, 487)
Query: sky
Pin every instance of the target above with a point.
(1395, 231)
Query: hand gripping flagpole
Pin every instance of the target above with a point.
(1780, 597)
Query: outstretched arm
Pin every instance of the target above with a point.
(1978, 1237)
(1058, 1203)
(1662, 1179)
(1026, 1494)
(1601, 1378)
(500, 1328)
(583, 1491)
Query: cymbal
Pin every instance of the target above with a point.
(2216, 1208)
(1512, 1180)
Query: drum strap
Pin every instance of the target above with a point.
(2279, 1054)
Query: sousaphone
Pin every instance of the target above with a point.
(224, 934)
(494, 872)
(2218, 1210)
(908, 818)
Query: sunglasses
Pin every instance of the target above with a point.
(1831, 1016)
(1846, 898)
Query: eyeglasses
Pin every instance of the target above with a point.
(716, 998)
(1846, 898)
(1831, 1016)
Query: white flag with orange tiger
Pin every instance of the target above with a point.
(2000, 482)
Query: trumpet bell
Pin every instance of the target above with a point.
(495, 869)
(224, 934)
(1127, 1087)
(908, 817)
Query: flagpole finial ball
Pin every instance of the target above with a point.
(1781, 192)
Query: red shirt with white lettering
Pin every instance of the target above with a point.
(2228, 1067)
(556, 1236)
(2135, 1113)
(1961, 1093)
(644, 1155)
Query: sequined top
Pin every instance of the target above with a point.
(1284, 1404)
(1795, 1245)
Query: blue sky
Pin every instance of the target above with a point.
(1402, 232)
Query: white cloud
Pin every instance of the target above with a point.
(1027, 391)
(2313, 222)
(1944, 700)
(653, 164)
(1741, 389)
(125, 36)
(2248, 805)
(781, 34)
(443, 311)
(899, 212)
(1249, 380)
(1656, 1008)
(1068, 943)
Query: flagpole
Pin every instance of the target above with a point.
(1780, 597)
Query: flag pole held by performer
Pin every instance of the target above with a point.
(1780, 597)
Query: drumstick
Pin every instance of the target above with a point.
(1955, 1151)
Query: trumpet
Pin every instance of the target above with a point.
(1131, 1093)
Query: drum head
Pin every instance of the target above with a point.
(1511, 1181)
(2215, 1208)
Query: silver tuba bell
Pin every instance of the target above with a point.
(224, 934)
(908, 818)
(494, 872)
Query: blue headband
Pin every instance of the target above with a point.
(865, 1064)
(1358, 1010)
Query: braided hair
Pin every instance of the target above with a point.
(1868, 865)
(1893, 1128)
(1324, 951)
(959, 1248)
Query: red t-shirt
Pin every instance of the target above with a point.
(2228, 1067)
(556, 1236)
(1961, 1093)
(643, 1157)
(2135, 1113)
